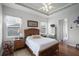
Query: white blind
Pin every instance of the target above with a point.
(43, 27)
(13, 25)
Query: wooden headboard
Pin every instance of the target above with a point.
(31, 31)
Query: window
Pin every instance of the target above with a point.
(13, 25)
(43, 27)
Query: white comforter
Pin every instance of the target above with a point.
(39, 44)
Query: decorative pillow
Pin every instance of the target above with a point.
(36, 36)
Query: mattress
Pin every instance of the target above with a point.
(39, 44)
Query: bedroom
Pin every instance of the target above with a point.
(21, 20)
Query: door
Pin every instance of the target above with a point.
(60, 27)
(63, 29)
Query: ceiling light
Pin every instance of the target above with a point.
(46, 7)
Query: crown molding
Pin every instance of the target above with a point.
(62, 8)
(28, 9)
(32, 8)
(59, 9)
(19, 7)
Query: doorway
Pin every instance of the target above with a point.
(63, 29)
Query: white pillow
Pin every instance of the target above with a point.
(36, 36)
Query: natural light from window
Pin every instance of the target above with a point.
(13, 25)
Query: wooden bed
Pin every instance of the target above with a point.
(47, 52)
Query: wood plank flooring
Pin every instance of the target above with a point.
(65, 50)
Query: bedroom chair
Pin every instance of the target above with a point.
(7, 48)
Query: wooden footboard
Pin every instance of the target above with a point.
(48, 52)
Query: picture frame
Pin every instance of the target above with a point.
(31, 23)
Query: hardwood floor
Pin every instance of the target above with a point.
(64, 50)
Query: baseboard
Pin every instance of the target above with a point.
(72, 45)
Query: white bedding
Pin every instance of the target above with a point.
(39, 44)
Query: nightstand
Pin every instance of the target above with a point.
(19, 43)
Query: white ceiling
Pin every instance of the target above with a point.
(37, 6)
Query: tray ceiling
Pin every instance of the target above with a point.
(46, 8)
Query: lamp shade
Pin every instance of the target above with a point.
(52, 25)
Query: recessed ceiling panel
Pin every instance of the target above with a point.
(45, 8)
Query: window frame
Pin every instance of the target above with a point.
(44, 27)
(19, 27)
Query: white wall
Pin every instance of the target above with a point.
(23, 15)
(0, 27)
(71, 14)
